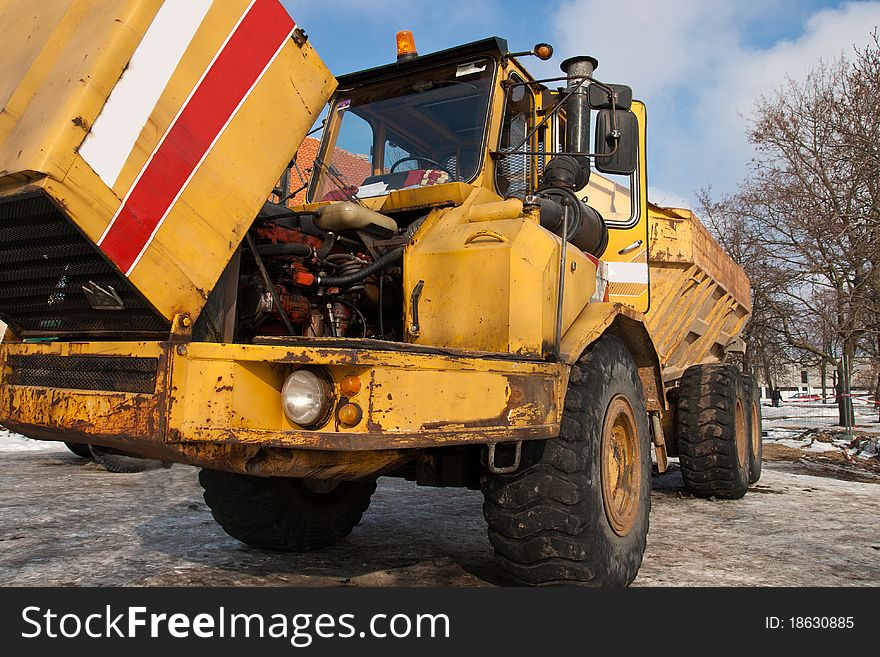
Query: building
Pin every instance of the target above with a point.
(807, 379)
(349, 166)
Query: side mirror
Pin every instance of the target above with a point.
(624, 159)
(600, 99)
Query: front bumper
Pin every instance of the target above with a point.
(210, 396)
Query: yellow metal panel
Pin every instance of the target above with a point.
(453, 193)
(64, 414)
(200, 235)
(62, 67)
(589, 326)
(232, 393)
(24, 29)
(679, 238)
(700, 297)
(137, 349)
(479, 397)
(491, 285)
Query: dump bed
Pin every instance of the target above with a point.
(699, 296)
(138, 140)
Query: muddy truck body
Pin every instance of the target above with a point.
(419, 315)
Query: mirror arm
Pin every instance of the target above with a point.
(559, 105)
(551, 113)
(501, 154)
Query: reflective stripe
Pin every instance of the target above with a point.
(628, 272)
(249, 50)
(113, 135)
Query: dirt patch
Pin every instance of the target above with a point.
(774, 452)
(832, 464)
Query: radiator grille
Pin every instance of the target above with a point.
(44, 264)
(105, 373)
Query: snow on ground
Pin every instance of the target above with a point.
(813, 446)
(13, 442)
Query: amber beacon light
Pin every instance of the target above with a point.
(406, 45)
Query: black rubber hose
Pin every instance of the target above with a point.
(284, 248)
(327, 247)
(372, 268)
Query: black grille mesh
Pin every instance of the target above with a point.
(44, 264)
(106, 373)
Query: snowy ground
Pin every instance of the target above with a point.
(64, 521)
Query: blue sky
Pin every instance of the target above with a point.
(698, 64)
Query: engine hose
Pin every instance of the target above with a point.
(372, 268)
(347, 265)
(287, 249)
(329, 243)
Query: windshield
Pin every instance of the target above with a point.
(403, 133)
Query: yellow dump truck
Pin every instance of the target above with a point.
(477, 292)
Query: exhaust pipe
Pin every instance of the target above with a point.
(577, 108)
(562, 212)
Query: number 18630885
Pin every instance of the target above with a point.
(809, 623)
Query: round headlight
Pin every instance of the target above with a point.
(304, 398)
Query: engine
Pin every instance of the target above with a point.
(334, 274)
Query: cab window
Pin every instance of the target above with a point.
(513, 173)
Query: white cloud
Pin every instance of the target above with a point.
(689, 60)
(652, 45)
(668, 199)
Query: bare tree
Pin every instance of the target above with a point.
(766, 352)
(810, 212)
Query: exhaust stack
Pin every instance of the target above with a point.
(577, 109)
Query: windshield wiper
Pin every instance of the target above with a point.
(336, 179)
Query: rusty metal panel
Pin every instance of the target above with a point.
(232, 394)
(58, 414)
(83, 415)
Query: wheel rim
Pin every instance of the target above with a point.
(756, 429)
(742, 441)
(621, 465)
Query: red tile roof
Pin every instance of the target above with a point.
(352, 167)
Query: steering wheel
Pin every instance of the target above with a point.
(439, 166)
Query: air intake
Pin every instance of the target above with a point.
(55, 282)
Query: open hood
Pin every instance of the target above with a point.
(138, 140)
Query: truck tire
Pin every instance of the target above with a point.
(282, 513)
(576, 511)
(80, 449)
(756, 443)
(713, 431)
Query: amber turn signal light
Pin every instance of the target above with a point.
(406, 45)
(350, 385)
(349, 414)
